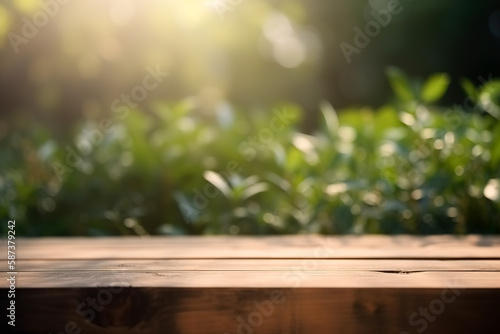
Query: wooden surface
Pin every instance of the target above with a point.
(291, 247)
(369, 284)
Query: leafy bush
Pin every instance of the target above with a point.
(410, 166)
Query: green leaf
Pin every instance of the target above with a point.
(489, 98)
(330, 115)
(435, 87)
(399, 83)
(218, 181)
(469, 88)
(386, 118)
(254, 190)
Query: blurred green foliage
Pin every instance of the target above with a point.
(408, 167)
(260, 53)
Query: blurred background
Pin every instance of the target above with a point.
(247, 117)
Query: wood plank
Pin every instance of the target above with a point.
(299, 247)
(299, 311)
(350, 284)
(257, 279)
(257, 264)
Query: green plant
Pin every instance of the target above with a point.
(411, 166)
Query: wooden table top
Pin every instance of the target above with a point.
(223, 285)
(307, 261)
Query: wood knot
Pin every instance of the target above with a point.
(116, 306)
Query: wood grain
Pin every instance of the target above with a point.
(295, 247)
(258, 279)
(349, 284)
(207, 311)
(319, 264)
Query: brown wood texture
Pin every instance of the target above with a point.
(206, 311)
(291, 247)
(291, 284)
